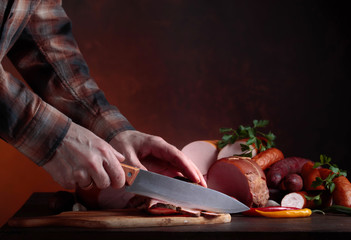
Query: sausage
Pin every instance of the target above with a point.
(292, 183)
(268, 157)
(279, 170)
(342, 191)
(241, 178)
(298, 200)
(324, 172)
(295, 199)
(309, 175)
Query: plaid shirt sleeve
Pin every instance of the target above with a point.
(48, 58)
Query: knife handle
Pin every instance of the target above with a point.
(130, 172)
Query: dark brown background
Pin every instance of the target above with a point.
(182, 69)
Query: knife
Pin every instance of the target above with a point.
(179, 193)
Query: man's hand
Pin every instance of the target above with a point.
(82, 158)
(136, 146)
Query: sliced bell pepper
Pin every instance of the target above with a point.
(304, 212)
(253, 212)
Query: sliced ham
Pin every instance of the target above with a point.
(240, 178)
(202, 153)
(231, 150)
(158, 207)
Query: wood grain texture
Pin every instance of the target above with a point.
(114, 219)
(318, 226)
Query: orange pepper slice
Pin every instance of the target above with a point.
(305, 212)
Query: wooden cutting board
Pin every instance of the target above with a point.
(114, 219)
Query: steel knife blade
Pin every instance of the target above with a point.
(178, 192)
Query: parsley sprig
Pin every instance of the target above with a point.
(253, 135)
(325, 161)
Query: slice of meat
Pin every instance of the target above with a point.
(202, 153)
(295, 199)
(158, 207)
(162, 211)
(241, 178)
(231, 150)
(210, 214)
(298, 199)
(189, 211)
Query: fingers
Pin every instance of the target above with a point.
(109, 171)
(162, 149)
(132, 143)
(188, 167)
(83, 158)
(115, 173)
(82, 178)
(133, 160)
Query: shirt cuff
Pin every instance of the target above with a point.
(109, 124)
(44, 134)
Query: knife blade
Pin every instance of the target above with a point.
(180, 193)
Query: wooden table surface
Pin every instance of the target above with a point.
(318, 226)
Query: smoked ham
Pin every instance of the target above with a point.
(240, 178)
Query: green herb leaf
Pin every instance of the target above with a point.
(260, 123)
(245, 147)
(328, 181)
(331, 187)
(270, 136)
(334, 169)
(227, 137)
(317, 164)
(222, 144)
(243, 132)
(250, 141)
(249, 154)
(317, 182)
(316, 199)
(224, 130)
(343, 173)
